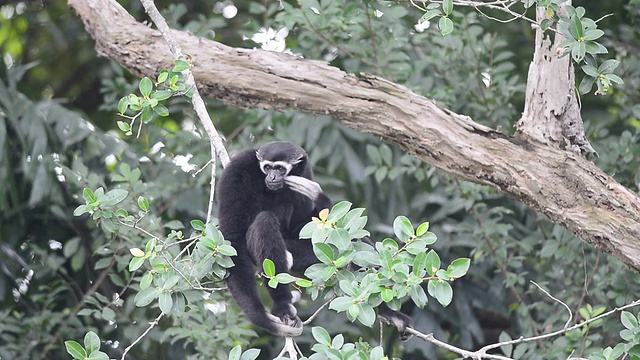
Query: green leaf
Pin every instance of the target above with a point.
(82, 209)
(285, 278)
(234, 354)
(181, 65)
(123, 104)
(441, 290)
(341, 303)
(430, 14)
(338, 211)
(164, 75)
(269, 267)
(146, 280)
(197, 225)
(428, 238)
(304, 283)
(419, 263)
(614, 78)
(366, 314)
(136, 263)
(146, 86)
(147, 114)
(608, 66)
(166, 302)
(71, 247)
(108, 314)
(445, 25)
(353, 311)
(324, 253)
(150, 245)
(146, 296)
(593, 34)
(321, 335)
(114, 197)
(340, 238)
(575, 28)
(586, 84)
(590, 70)
(447, 6)
(250, 354)
(124, 126)
(98, 355)
(227, 250)
(628, 320)
(390, 244)
(402, 228)
(89, 196)
(458, 268)
(75, 349)
(422, 229)
(387, 155)
(374, 154)
(161, 95)
(544, 24)
(171, 282)
(161, 110)
(418, 296)
(307, 231)
(143, 203)
(386, 295)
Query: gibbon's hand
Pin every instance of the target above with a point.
(304, 186)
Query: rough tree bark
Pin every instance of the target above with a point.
(561, 184)
(551, 111)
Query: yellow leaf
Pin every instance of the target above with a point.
(136, 252)
(324, 214)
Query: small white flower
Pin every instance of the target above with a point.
(271, 40)
(422, 26)
(182, 162)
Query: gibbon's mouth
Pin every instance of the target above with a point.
(274, 186)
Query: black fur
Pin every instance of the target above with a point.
(263, 223)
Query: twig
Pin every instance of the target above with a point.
(566, 325)
(290, 348)
(313, 316)
(151, 326)
(561, 331)
(464, 353)
(217, 146)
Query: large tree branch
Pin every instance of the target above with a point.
(561, 184)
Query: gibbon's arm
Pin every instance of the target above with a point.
(304, 186)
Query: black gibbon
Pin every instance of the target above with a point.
(265, 197)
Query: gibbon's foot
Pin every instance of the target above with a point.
(286, 326)
(397, 319)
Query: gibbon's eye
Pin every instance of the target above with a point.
(280, 169)
(267, 167)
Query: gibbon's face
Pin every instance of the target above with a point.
(277, 160)
(275, 172)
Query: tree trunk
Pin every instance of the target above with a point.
(561, 184)
(551, 110)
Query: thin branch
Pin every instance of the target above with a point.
(290, 348)
(313, 316)
(151, 326)
(566, 325)
(464, 353)
(561, 331)
(217, 146)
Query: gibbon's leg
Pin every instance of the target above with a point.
(264, 241)
(303, 255)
